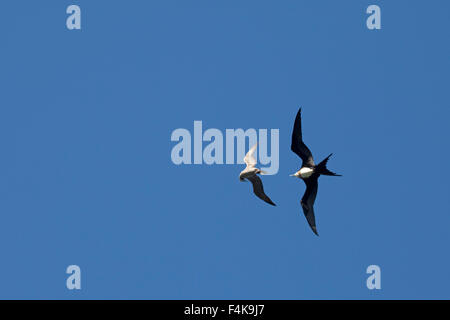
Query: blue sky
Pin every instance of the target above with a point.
(86, 174)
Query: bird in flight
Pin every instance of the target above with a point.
(251, 173)
(309, 172)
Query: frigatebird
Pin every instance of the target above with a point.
(309, 172)
(251, 173)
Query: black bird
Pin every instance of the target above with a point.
(309, 172)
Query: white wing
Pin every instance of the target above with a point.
(249, 157)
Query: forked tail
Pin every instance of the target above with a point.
(321, 168)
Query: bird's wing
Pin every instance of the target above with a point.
(249, 158)
(308, 201)
(297, 145)
(259, 190)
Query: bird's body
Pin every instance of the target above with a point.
(248, 172)
(304, 173)
(309, 172)
(251, 174)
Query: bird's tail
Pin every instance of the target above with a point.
(321, 168)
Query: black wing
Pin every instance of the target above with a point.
(297, 145)
(308, 201)
(259, 190)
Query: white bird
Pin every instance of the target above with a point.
(251, 173)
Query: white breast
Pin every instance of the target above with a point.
(305, 172)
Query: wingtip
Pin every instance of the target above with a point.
(314, 229)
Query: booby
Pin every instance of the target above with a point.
(251, 173)
(309, 172)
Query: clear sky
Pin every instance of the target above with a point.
(86, 176)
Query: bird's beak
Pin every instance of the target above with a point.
(292, 175)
